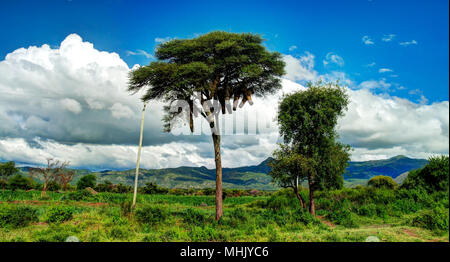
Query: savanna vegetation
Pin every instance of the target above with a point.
(413, 211)
(309, 165)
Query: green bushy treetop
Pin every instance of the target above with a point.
(87, 181)
(307, 121)
(432, 177)
(382, 182)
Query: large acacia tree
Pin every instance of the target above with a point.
(215, 70)
(311, 152)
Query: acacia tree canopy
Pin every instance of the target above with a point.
(212, 69)
(218, 65)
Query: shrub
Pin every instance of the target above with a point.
(341, 214)
(53, 186)
(382, 182)
(77, 195)
(193, 217)
(17, 216)
(120, 232)
(281, 201)
(303, 216)
(86, 181)
(432, 177)
(152, 188)
(435, 219)
(151, 215)
(125, 208)
(56, 233)
(19, 182)
(59, 214)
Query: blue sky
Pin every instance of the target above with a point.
(64, 67)
(318, 27)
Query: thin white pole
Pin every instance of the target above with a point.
(138, 157)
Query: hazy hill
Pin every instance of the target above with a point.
(248, 177)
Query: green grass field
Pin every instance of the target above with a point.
(25, 216)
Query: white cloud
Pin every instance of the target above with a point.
(121, 111)
(384, 70)
(140, 53)
(161, 40)
(388, 38)
(71, 103)
(387, 126)
(292, 48)
(371, 64)
(375, 84)
(333, 58)
(412, 42)
(43, 88)
(300, 69)
(367, 41)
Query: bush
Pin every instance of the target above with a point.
(151, 215)
(125, 208)
(303, 216)
(432, 177)
(193, 217)
(435, 219)
(86, 181)
(17, 216)
(152, 188)
(19, 182)
(59, 214)
(382, 182)
(53, 186)
(341, 214)
(120, 232)
(77, 195)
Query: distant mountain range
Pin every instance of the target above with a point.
(247, 177)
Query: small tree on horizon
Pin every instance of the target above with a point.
(213, 69)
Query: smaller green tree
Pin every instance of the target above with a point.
(289, 169)
(307, 121)
(382, 182)
(432, 177)
(87, 181)
(6, 170)
(19, 182)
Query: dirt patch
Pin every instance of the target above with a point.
(328, 223)
(409, 232)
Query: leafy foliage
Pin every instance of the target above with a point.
(87, 181)
(151, 215)
(8, 169)
(59, 214)
(19, 182)
(382, 182)
(433, 177)
(307, 121)
(17, 216)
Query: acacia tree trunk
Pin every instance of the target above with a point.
(312, 207)
(299, 197)
(44, 189)
(217, 158)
